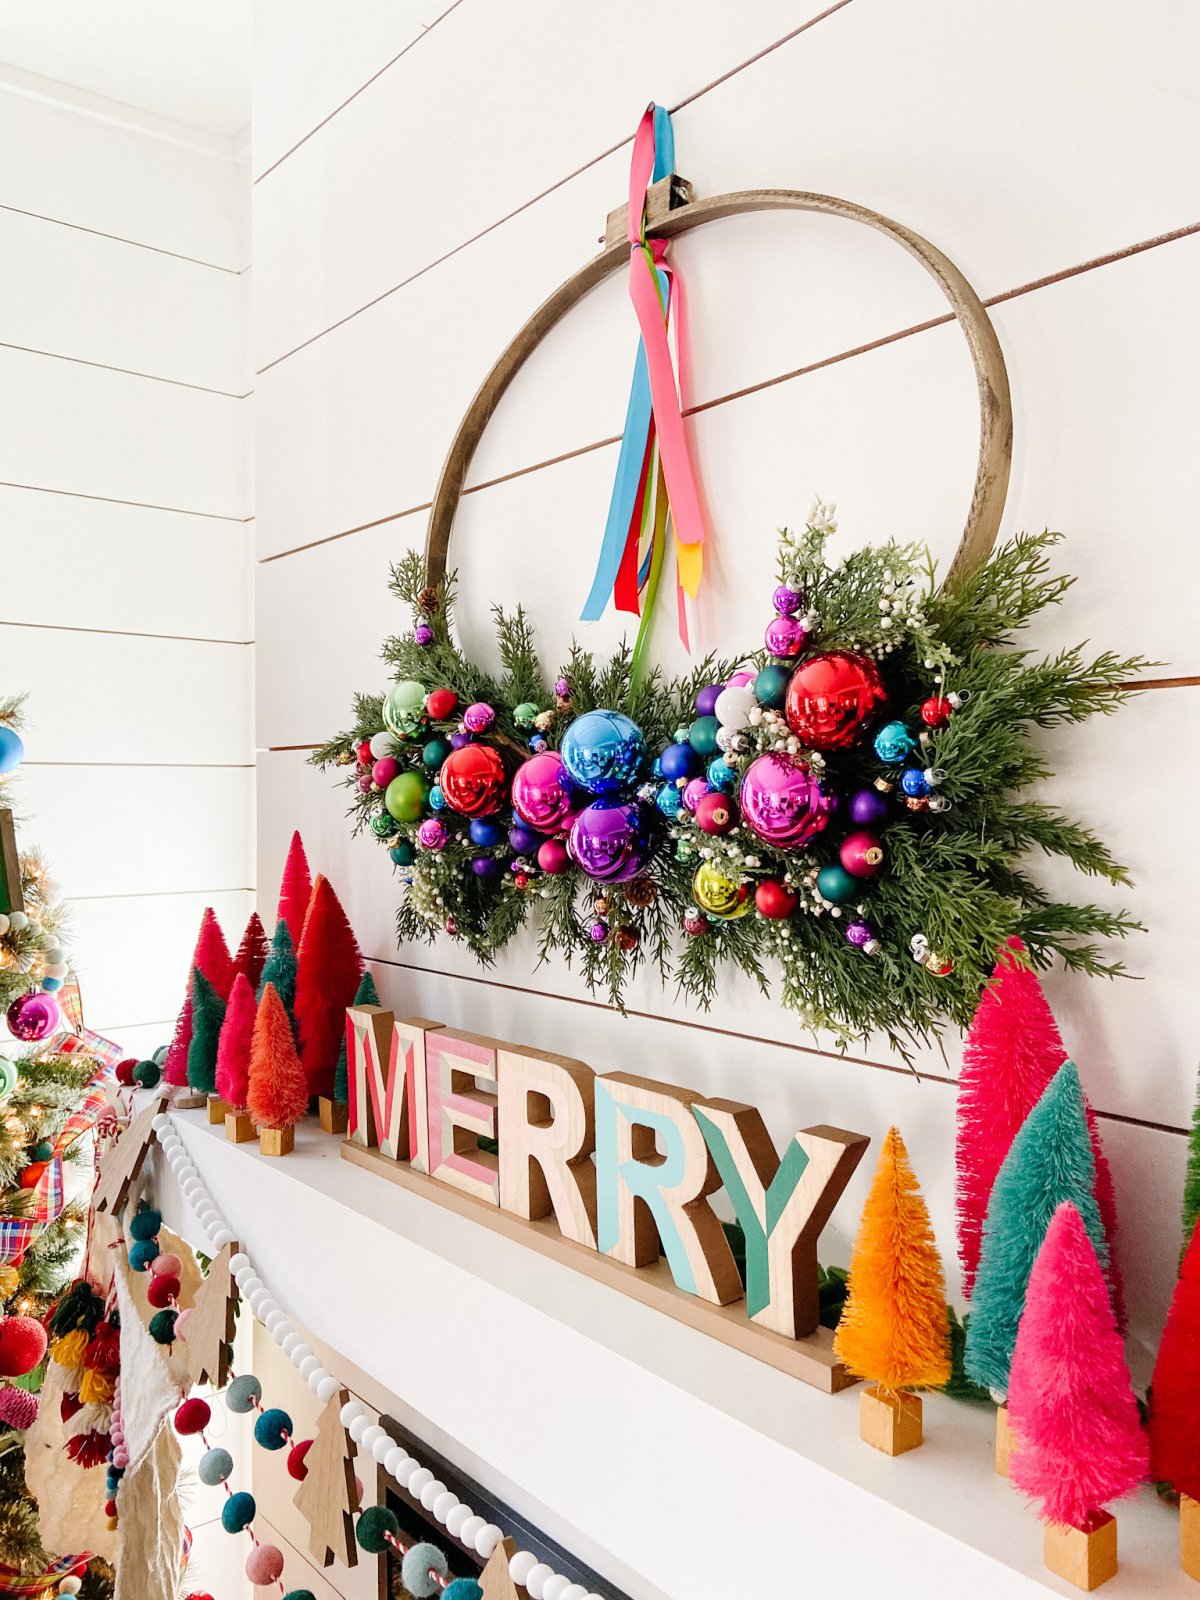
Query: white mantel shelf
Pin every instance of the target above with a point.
(677, 1466)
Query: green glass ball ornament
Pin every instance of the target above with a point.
(405, 796)
(383, 825)
(403, 707)
(435, 752)
(8, 1077)
(837, 885)
(770, 687)
(684, 850)
(524, 714)
(702, 736)
(403, 853)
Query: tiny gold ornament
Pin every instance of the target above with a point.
(345, 758)
(716, 892)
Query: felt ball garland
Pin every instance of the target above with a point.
(238, 1512)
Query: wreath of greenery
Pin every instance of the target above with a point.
(959, 879)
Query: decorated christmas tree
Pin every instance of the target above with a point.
(894, 1329)
(329, 970)
(365, 995)
(1175, 1391)
(295, 891)
(1050, 1161)
(208, 1013)
(252, 953)
(280, 970)
(211, 957)
(1191, 1182)
(1079, 1439)
(233, 1048)
(278, 1089)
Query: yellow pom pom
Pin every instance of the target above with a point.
(96, 1388)
(69, 1350)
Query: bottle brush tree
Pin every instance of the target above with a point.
(295, 890)
(329, 968)
(252, 953)
(208, 1013)
(1175, 1391)
(1051, 1161)
(211, 957)
(280, 970)
(365, 995)
(277, 1094)
(233, 1048)
(894, 1329)
(1079, 1439)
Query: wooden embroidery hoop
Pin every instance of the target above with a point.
(670, 211)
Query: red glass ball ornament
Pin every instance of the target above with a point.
(936, 711)
(296, 1464)
(32, 1173)
(124, 1072)
(441, 704)
(774, 900)
(716, 813)
(22, 1345)
(862, 854)
(472, 780)
(832, 699)
(521, 879)
(627, 939)
(363, 751)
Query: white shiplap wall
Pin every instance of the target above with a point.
(423, 182)
(125, 506)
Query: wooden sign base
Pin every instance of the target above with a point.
(1004, 1440)
(890, 1422)
(1189, 1536)
(335, 1118)
(810, 1359)
(276, 1141)
(239, 1127)
(1086, 1557)
(218, 1110)
(186, 1100)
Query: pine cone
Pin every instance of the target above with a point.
(427, 601)
(641, 892)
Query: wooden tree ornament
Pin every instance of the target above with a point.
(208, 1332)
(122, 1163)
(328, 1496)
(495, 1580)
(12, 894)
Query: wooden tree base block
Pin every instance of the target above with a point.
(335, 1118)
(1189, 1536)
(276, 1141)
(239, 1127)
(185, 1100)
(218, 1110)
(1004, 1441)
(890, 1422)
(1086, 1557)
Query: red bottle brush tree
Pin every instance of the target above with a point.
(251, 954)
(295, 891)
(329, 967)
(211, 957)
(233, 1048)
(1175, 1392)
(1079, 1440)
(277, 1095)
(1013, 1049)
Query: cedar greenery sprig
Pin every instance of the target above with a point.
(963, 880)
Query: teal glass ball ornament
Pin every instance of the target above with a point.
(894, 743)
(721, 775)
(602, 751)
(403, 853)
(770, 687)
(435, 752)
(702, 736)
(834, 883)
(669, 799)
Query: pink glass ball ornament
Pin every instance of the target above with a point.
(786, 637)
(34, 1016)
(540, 794)
(783, 802)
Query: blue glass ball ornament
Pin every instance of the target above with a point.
(538, 743)
(837, 885)
(770, 687)
(894, 743)
(602, 751)
(12, 751)
(485, 833)
(914, 783)
(721, 775)
(437, 799)
(669, 799)
(679, 761)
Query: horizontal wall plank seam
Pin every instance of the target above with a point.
(730, 1033)
(185, 766)
(117, 238)
(115, 500)
(156, 894)
(126, 372)
(122, 633)
(1062, 276)
(427, 29)
(556, 185)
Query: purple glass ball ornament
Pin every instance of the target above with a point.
(608, 842)
(783, 802)
(484, 866)
(562, 689)
(459, 739)
(868, 808)
(786, 600)
(859, 934)
(423, 635)
(706, 700)
(33, 1016)
(598, 932)
(786, 637)
(523, 840)
(432, 833)
(478, 718)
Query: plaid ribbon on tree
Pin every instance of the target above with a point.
(17, 1583)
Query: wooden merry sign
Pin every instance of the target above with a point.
(611, 1174)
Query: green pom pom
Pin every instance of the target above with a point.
(462, 1589)
(147, 1074)
(162, 1327)
(238, 1512)
(372, 1528)
(307, 1594)
(272, 1428)
(145, 1224)
(43, 1150)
